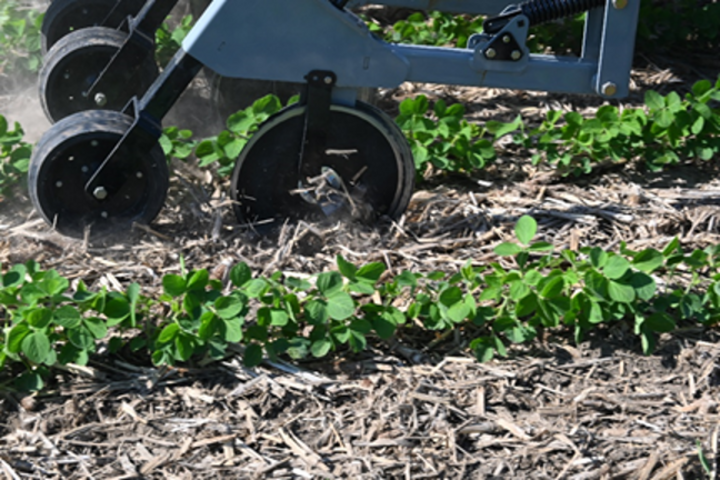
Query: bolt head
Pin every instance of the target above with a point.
(608, 89)
(94, 143)
(328, 80)
(490, 53)
(516, 54)
(100, 99)
(100, 193)
(58, 184)
(104, 214)
(620, 4)
(506, 39)
(139, 174)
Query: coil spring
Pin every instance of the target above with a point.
(541, 11)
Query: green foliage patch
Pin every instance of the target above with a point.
(44, 322)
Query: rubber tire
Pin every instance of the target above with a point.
(68, 207)
(88, 51)
(65, 16)
(268, 164)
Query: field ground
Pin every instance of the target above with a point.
(416, 407)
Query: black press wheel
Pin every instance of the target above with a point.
(366, 150)
(66, 16)
(75, 62)
(66, 158)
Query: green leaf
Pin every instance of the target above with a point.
(240, 274)
(253, 355)
(272, 317)
(81, 338)
(30, 382)
(184, 347)
(648, 260)
(39, 317)
(168, 333)
(321, 348)
(525, 229)
(507, 249)
(174, 285)
(654, 100)
(644, 285)
(659, 322)
(256, 287)
(371, 272)
(198, 280)
(231, 330)
(340, 306)
(621, 292)
(96, 327)
(329, 282)
(15, 337)
(551, 287)
(316, 312)
(36, 347)
(616, 267)
(15, 276)
(229, 307)
(117, 308)
(346, 268)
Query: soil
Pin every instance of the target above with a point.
(414, 407)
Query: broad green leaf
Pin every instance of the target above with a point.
(616, 267)
(621, 292)
(648, 260)
(329, 282)
(253, 355)
(272, 317)
(117, 308)
(371, 272)
(598, 257)
(659, 322)
(39, 317)
(229, 307)
(644, 285)
(450, 296)
(654, 100)
(36, 347)
(198, 280)
(184, 347)
(340, 306)
(525, 229)
(30, 382)
(551, 287)
(321, 348)
(458, 312)
(240, 274)
(316, 312)
(174, 285)
(81, 338)
(168, 333)
(346, 268)
(232, 330)
(507, 249)
(256, 287)
(15, 337)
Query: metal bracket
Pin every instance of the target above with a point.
(148, 113)
(139, 44)
(504, 51)
(318, 99)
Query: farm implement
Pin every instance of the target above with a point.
(100, 165)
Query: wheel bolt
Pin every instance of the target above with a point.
(100, 193)
(609, 89)
(490, 53)
(100, 99)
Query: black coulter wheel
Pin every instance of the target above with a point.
(66, 16)
(73, 65)
(71, 152)
(365, 149)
